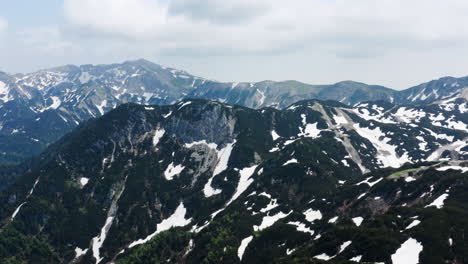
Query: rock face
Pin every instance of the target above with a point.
(39, 108)
(205, 182)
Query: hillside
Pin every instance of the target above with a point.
(206, 182)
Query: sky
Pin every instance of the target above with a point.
(395, 43)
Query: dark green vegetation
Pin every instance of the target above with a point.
(169, 247)
(292, 181)
(18, 248)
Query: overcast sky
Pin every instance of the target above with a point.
(396, 43)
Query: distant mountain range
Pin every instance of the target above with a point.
(205, 182)
(37, 109)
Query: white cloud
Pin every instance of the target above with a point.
(3, 32)
(356, 28)
(222, 12)
(320, 41)
(3, 24)
(44, 40)
(132, 18)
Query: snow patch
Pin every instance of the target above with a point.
(242, 185)
(16, 211)
(439, 202)
(80, 252)
(344, 246)
(273, 204)
(172, 171)
(323, 256)
(413, 224)
(291, 161)
(245, 242)
(84, 181)
(301, 227)
(244, 182)
(366, 181)
(268, 221)
(312, 215)
(85, 77)
(158, 135)
(445, 168)
(222, 164)
(310, 130)
(386, 153)
(408, 115)
(184, 104)
(356, 259)
(56, 102)
(212, 146)
(101, 106)
(99, 240)
(167, 115)
(345, 162)
(358, 220)
(261, 100)
(175, 220)
(340, 119)
(274, 135)
(408, 253)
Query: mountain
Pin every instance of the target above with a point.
(39, 108)
(206, 182)
(433, 91)
(283, 94)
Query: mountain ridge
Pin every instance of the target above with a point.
(38, 108)
(209, 182)
(148, 62)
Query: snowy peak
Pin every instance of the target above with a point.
(63, 97)
(432, 91)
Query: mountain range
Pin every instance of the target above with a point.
(39, 108)
(202, 181)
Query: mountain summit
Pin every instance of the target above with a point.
(39, 108)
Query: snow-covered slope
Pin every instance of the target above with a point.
(205, 182)
(37, 109)
(436, 90)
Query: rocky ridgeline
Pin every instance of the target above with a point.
(39, 108)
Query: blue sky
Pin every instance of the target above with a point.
(394, 43)
(27, 13)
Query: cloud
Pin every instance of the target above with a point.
(3, 25)
(3, 32)
(43, 40)
(132, 18)
(365, 40)
(32, 48)
(267, 26)
(220, 12)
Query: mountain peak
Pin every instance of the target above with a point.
(141, 62)
(68, 95)
(350, 82)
